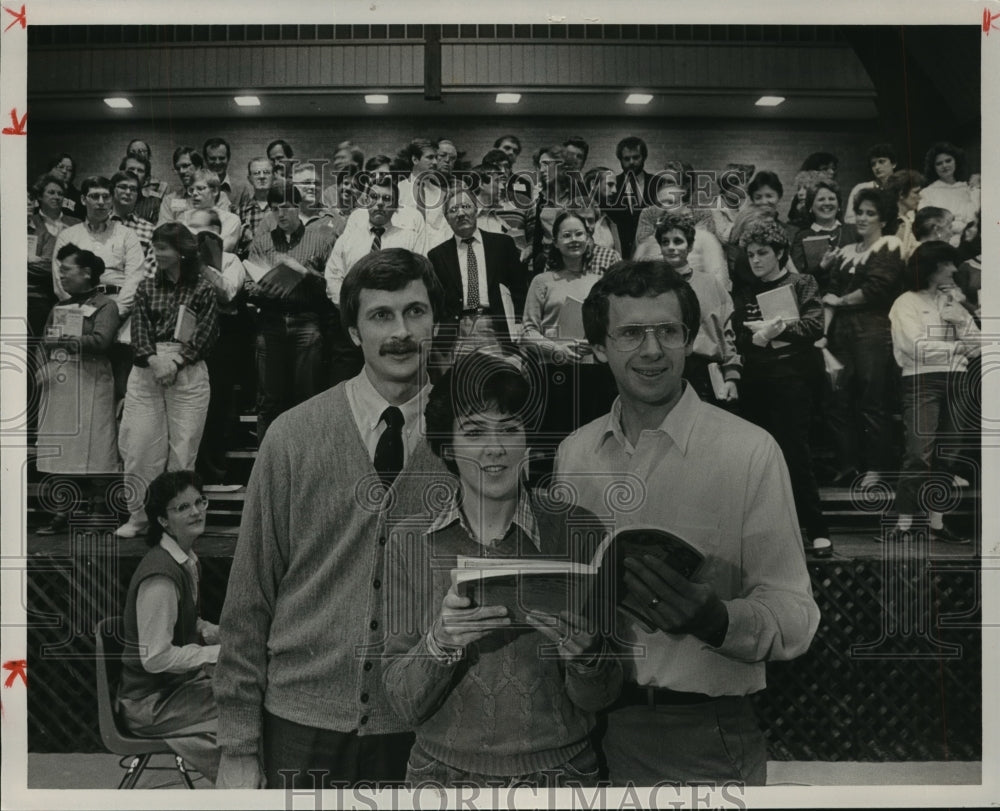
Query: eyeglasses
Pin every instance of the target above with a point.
(126, 188)
(98, 197)
(185, 509)
(669, 335)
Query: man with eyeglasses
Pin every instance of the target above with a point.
(380, 225)
(124, 197)
(148, 204)
(721, 484)
(260, 174)
(480, 271)
(124, 264)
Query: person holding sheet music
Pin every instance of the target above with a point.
(494, 699)
(825, 231)
(76, 431)
(777, 322)
(174, 326)
(286, 267)
(574, 265)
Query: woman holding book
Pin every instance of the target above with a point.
(781, 364)
(574, 265)
(497, 694)
(76, 430)
(824, 232)
(174, 326)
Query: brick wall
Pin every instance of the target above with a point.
(706, 143)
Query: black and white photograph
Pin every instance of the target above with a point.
(582, 406)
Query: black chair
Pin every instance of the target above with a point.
(110, 642)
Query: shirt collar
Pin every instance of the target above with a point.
(475, 236)
(178, 554)
(524, 516)
(678, 424)
(373, 404)
(277, 235)
(126, 219)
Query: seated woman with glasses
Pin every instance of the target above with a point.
(494, 699)
(166, 684)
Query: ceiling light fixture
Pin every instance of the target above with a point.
(508, 98)
(247, 101)
(769, 101)
(639, 98)
(376, 98)
(118, 103)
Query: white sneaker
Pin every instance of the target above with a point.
(130, 530)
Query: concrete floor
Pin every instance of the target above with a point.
(78, 771)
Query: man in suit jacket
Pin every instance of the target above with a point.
(498, 286)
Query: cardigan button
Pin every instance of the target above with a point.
(373, 624)
(376, 583)
(364, 698)
(382, 540)
(368, 665)
(364, 720)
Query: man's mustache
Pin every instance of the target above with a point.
(395, 347)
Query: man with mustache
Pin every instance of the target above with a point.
(299, 679)
(474, 266)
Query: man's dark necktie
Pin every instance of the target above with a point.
(377, 231)
(389, 451)
(472, 268)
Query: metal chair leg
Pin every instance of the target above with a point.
(135, 771)
(183, 770)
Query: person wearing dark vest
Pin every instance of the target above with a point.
(299, 682)
(166, 684)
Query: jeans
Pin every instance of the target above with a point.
(161, 427)
(859, 412)
(928, 411)
(289, 363)
(580, 770)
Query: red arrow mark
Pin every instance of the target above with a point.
(17, 667)
(18, 128)
(19, 17)
(988, 18)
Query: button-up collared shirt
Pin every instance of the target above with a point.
(722, 485)
(406, 229)
(157, 305)
(463, 266)
(124, 263)
(524, 518)
(367, 406)
(143, 229)
(156, 612)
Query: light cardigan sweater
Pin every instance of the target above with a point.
(301, 629)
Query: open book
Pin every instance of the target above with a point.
(284, 277)
(552, 585)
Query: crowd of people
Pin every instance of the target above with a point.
(382, 323)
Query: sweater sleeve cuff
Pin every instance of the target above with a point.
(240, 729)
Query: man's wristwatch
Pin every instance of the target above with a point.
(443, 654)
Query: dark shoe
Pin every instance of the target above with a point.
(58, 525)
(945, 535)
(820, 548)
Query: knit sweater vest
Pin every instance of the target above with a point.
(301, 629)
(136, 681)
